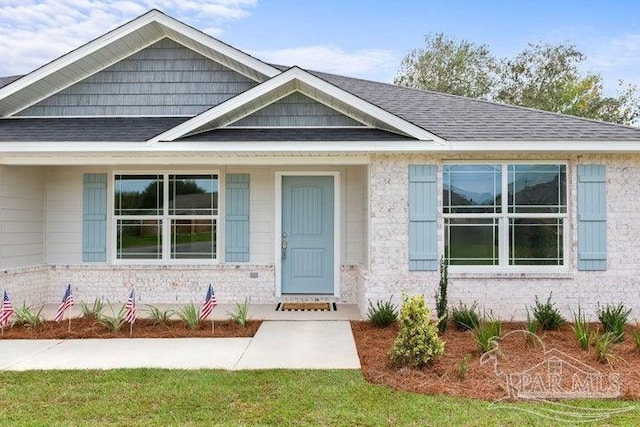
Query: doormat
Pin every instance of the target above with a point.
(306, 306)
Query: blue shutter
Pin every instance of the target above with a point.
(423, 210)
(237, 218)
(592, 217)
(94, 217)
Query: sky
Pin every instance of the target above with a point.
(359, 38)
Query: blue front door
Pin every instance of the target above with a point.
(307, 235)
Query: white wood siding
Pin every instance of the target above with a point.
(21, 216)
(164, 79)
(64, 215)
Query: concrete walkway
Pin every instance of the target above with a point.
(277, 344)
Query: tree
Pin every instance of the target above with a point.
(542, 76)
(450, 66)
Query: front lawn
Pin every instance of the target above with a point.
(164, 397)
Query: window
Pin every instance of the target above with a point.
(166, 216)
(504, 214)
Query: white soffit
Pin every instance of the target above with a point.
(292, 80)
(116, 45)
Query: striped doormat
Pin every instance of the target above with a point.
(306, 306)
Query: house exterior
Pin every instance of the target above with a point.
(160, 158)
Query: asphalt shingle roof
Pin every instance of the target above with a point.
(296, 134)
(74, 129)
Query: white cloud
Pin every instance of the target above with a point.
(34, 32)
(615, 52)
(371, 63)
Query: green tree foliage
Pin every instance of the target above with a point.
(447, 65)
(542, 76)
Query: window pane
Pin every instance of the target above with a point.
(139, 239)
(472, 188)
(470, 241)
(193, 239)
(138, 195)
(193, 195)
(537, 188)
(535, 241)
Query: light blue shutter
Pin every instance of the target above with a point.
(237, 218)
(592, 217)
(94, 217)
(423, 210)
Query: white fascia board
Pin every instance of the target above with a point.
(290, 75)
(153, 16)
(545, 146)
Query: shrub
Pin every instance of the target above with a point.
(486, 332)
(115, 321)
(547, 315)
(190, 315)
(28, 318)
(614, 319)
(417, 342)
(241, 313)
(463, 366)
(602, 344)
(636, 339)
(531, 326)
(92, 311)
(441, 296)
(581, 329)
(383, 314)
(465, 318)
(157, 316)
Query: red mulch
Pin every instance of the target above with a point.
(443, 376)
(142, 328)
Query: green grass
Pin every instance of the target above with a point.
(204, 397)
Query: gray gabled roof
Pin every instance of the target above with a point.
(80, 129)
(457, 118)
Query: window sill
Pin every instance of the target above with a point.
(558, 274)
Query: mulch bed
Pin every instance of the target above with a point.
(444, 375)
(142, 328)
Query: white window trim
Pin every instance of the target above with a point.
(503, 228)
(166, 223)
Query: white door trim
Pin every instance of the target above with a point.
(337, 225)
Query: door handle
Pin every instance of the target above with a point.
(284, 245)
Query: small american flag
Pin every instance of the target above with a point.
(209, 304)
(130, 308)
(67, 301)
(6, 311)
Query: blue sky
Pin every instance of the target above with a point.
(359, 38)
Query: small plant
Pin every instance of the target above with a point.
(383, 314)
(465, 318)
(190, 315)
(614, 319)
(531, 326)
(486, 332)
(547, 315)
(417, 342)
(441, 296)
(28, 318)
(581, 329)
(92, 311)
(158, 316)
(463, 366)
(240, 314)
(602, 344)
(636, 339)
(113, 322)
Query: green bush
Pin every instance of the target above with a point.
(157, 316)
(383, 314)
(636, 339)
(417, 342)
(26, 317)
(114, 322)
(190, 315)
(531, 326)
(241, 313)
(547, 315)
(465, 318)
(92, 311)
(602, 344)
(486, 331)
(614, 319)
(581, 329)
